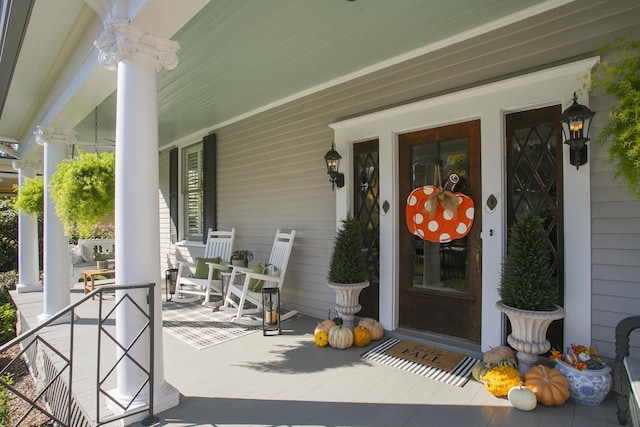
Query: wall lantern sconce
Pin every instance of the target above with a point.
(575, 120)
(332, 159)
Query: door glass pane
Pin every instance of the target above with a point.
(441, 266)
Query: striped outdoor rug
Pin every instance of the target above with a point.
(458, 376)
(201, 327)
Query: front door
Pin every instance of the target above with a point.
(441, 283)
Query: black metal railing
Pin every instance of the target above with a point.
(53, 366)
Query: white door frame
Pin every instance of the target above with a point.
(489, 103)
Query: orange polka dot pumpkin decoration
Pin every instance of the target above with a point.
(442, 223)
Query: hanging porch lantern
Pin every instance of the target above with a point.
(332, 159)
(576, 123)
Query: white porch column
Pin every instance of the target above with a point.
(137, 57)
(56, 245)
(28, 255)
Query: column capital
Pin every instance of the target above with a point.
(48, 134)
(121, 40)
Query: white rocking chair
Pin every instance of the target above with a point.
(219, 245)
(238, 294)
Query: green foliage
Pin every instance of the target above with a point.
(5, 402)
(525, 283)
(8, 235)
(83, 191)
(8, 315)
(30, 197)
(8, 281)
(621, 78)
(348, 264)
(7, 322)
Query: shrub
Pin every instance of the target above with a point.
(7, 322)
(8, 315)
(5, 403)
(8, 235)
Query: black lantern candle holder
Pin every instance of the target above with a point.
(271, 310)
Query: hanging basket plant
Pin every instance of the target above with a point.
(620, 77)
(83, 191)
(30, 199)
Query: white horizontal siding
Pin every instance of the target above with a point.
(166, 248)
(615, 256)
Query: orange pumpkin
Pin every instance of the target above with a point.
(361, 336)
(549, 385)
(374, 327)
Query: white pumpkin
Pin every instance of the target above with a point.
(522, 398)
(340, 337)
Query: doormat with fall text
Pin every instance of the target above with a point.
(432, 362)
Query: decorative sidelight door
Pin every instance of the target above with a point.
(534, 184)
(367, 209)
(441, 283)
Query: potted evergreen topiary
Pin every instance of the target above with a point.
(528, 297)
(347, 270)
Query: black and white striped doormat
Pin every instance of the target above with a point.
(457, 377)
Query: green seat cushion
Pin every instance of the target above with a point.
(255, 285)
(202, 269)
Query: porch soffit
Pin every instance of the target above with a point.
(224, 74)
(237, 57)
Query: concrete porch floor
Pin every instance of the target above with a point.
(286, 380)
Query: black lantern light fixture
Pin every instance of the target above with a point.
(576, 122)
(332, 159)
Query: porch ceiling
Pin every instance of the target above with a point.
(239, 57)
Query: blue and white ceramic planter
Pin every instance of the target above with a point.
(586, 387)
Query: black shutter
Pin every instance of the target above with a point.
(209, 183)
(173, 194)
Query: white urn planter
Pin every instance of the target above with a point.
(529, 333)
(347, 300)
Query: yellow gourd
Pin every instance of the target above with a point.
(321, 338)
(361, 336)
(499, 380)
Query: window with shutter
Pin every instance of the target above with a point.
(192, 187)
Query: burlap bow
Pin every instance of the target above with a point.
(447, 199)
